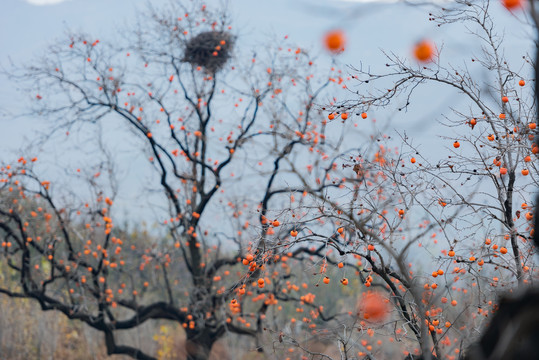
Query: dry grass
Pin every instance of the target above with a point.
(27, 333)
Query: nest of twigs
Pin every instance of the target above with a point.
(210, 50)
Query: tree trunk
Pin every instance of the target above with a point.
(198, 347)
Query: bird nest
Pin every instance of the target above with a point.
(210, 50)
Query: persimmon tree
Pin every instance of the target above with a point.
(488, 175)
(223, 135)
(468, 206)
(277, 220)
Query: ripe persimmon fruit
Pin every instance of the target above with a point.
(424, 51)
(334, 41)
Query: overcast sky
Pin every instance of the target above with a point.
(28, 26)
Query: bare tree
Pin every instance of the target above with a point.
(222, 138)
(476, 197)
(261, 200)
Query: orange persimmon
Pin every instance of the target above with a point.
(374, 307)
(334, 41)
(424, 51)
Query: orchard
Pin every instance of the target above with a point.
(285, 216)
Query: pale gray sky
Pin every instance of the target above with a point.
(28, 26)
